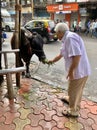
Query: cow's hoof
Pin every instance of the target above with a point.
(23, 76)
(28, 75)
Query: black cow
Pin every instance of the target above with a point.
(30, 44)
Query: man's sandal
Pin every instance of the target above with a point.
(65, 99)
(68, 114)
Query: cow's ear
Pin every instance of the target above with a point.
(28, 34)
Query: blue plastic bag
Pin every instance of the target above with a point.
(4, 35)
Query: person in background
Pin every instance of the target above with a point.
(65, 21)
(57, 21)
(76, 64)
(88, 23)
(75, 25)
(80, 26)
(95, 29)
(92, 28)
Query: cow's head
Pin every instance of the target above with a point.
(37, 46)
(25, 35)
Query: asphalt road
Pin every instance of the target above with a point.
(55, 74)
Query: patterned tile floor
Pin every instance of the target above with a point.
(37, 106)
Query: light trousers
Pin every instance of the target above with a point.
(75, 91)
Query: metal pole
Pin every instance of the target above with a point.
(1, 76)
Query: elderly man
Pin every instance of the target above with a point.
(76, 64)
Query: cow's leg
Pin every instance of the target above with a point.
(21, 64)
(27, 70)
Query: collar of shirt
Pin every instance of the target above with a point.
(64, 36)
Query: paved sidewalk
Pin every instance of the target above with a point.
(37, 106)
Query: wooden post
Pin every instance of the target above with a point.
(32, 6)
(17, 22)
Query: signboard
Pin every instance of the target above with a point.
(63, 7)
(60, 7)
(83, 10)
(63, 12)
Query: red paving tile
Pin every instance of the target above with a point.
(43, 110)
(35, 119)
(93, 109)
(6, 102)
(48, 114)
(84, 113)
(83, 103)
(28, 127)
(7, 127)
(87, 123)
(93, 117)
(59, 110)
(2, 119)
(94, 126)
(55, 128)
(59, 102)
(59, 121)
(90, 103)
(47, 125)
(52, 105)
(37, 109)
(10, 116)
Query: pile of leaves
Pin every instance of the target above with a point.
(46, 61)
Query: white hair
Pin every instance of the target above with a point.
(62, 27)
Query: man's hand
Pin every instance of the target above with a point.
(50, 62)
(46, 61)
(73, 66)
(70, 76)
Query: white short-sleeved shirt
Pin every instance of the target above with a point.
(73, 45)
